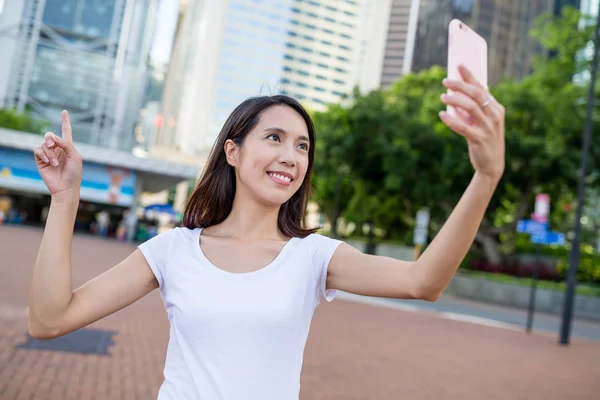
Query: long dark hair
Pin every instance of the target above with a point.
(212, 199)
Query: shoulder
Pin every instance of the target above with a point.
(322, 247)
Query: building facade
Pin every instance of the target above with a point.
(418, 34)
(227, 51)
(87, 57)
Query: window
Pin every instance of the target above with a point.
(342, 59)
(295, 22)
(348, 25)
(303, 73)
(345, 36)
(338, 82)
(307, 50)
(311, 14)
(304, 61)
(290, 45)
(328, 31)
(323, 66)
(293, 34)
(296, 10)
(301, 84)
(309, 26)
(336, 93)
(313, 3)
(325, 42)
(350, 14)
(299, 97)
(286, 68)
(329, 19)
(288, 57)
(309, 38)
(337, 69)
(330, 8)
(324, 54)
(285, 80)
(318, 101)
(344, 47)
(321, 77)
(319, 89)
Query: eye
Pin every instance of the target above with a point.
(274, 135)
(303, 146)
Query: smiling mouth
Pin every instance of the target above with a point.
(280, 178)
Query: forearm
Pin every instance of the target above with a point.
(51, 288)
(439, 262)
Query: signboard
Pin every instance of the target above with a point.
(100, 183)
(420, 234)
(542, 208)
(530, 226)
(548, 238)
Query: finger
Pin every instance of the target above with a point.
(67, 133)
(459, 126)
(41, 156)
(50, 154)
(467, 104)
(476, 93)
(468, 76)
(51, 139)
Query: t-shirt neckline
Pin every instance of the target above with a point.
(241, 275)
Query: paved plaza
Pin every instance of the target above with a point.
(355, 351)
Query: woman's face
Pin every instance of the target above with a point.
(272, 161)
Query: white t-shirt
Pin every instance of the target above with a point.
(237, 336)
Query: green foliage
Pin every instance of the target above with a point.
(587, 271)
(23, 122)
(393, 155)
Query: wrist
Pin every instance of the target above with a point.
(489, 181)
(65, 197)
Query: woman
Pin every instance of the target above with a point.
(240, 281)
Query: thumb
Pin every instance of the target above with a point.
(66, 146)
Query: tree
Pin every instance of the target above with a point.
(24, 122)
(397, 156)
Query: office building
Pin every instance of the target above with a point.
(226, 51)
(89, 57)
(418, 34)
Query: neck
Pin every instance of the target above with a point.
(250, 220)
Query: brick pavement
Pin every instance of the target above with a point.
(355, 351)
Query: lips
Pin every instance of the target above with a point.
(282, 178)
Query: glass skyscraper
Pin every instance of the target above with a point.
(86, 56)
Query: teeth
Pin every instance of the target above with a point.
(281, 177)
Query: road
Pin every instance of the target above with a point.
(356, 350)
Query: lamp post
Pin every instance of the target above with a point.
(565, 329)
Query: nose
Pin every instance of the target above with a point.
(288, 156)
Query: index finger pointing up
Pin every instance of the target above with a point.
(67, 133)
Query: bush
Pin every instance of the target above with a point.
(514, 268)
(24, 122)
(588, 270)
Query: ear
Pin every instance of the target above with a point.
(232, 152)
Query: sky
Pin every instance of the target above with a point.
(165, 30)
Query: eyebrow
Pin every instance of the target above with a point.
(283, 132)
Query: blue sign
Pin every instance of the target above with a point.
(548, 238)
(100, 183)
(531, 226)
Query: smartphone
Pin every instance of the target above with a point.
(467, 47)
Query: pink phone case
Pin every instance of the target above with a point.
(466, 47)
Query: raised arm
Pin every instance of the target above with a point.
(54, 308)
(355, 272)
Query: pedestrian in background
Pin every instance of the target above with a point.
(242, 277)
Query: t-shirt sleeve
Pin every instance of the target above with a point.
(324, 248)
(156, 251)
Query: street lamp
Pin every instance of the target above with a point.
(574, 256)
